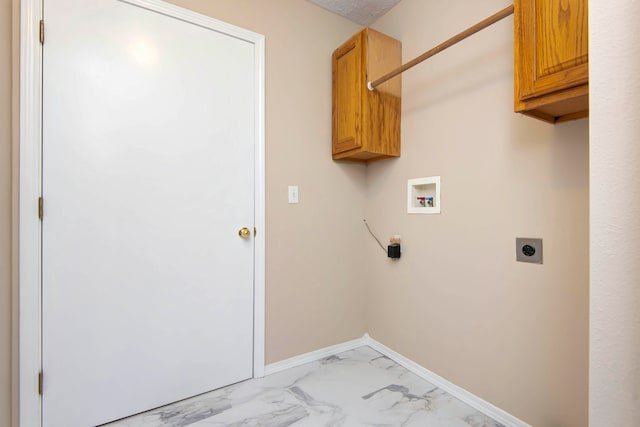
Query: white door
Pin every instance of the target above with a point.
(148, 174)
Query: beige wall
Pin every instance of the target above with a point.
(5, 212)
(457, 302)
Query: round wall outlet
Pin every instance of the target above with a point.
(529, 250)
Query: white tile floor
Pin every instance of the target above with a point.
(360, 387)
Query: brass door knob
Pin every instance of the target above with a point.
(244, 232)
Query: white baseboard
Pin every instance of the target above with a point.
(458, 392)
(314, 355)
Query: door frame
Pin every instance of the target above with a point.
(30, 228)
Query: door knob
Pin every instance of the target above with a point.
(244, 232)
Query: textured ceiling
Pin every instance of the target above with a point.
(363, 12)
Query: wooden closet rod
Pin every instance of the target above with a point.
(445, 45)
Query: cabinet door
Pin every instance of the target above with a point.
(347, 95)
(553, 45)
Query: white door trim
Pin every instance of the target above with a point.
(30, 230)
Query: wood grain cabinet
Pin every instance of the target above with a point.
(551, 59)
(366, 124)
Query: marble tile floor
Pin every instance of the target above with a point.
(359, 387)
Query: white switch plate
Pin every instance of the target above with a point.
(293, 194)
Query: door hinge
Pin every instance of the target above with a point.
(40, 383)
(40, 207)
(41, 31)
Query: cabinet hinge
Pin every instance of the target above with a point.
(40, 383)
(41, 31)
(40, 207)
(255, 232)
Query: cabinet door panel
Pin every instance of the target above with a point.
(561, 35)
(347, 92)
(555, 44)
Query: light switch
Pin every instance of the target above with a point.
(293, 194)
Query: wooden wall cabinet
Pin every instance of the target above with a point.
(551, 59)
(366, 124)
